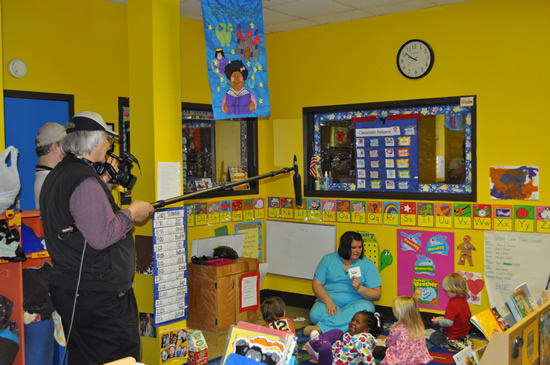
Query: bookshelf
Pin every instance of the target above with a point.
(500, 349)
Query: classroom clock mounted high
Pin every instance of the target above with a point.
(415, 59)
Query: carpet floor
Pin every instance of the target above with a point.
(440, 355)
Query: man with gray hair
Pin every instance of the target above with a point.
(49, 154)
(92, 249)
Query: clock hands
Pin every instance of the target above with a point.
(411, 57)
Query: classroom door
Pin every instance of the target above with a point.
(24, 114)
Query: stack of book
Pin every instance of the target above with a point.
(262, 344)
(521, 302)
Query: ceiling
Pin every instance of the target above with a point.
(286, 15)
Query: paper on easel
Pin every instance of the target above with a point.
(205, 246)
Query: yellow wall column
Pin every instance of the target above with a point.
(155, 104)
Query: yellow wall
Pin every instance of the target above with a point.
(495, 50)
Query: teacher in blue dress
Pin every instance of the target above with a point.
(345, 283)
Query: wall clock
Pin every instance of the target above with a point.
(415, 59)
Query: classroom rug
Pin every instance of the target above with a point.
(440, 355)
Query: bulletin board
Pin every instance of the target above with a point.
(387, 154)
(294, 249)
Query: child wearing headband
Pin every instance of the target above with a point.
(353, 347)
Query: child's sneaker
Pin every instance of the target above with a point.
(314, 335)
(314, 354)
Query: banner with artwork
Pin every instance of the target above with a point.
(236, 59)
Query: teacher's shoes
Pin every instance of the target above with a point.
(312, 327)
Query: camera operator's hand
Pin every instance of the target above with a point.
(106, 177)
(140, 210)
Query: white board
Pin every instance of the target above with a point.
(294, 249)
(512, 258)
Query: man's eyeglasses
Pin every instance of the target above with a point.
(110, 139)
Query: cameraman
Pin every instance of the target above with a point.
(93, 266)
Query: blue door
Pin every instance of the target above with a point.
(24, 114)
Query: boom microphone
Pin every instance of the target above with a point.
(297, 180)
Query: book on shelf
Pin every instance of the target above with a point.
(468, 356)
(522, 301)
(488, 322)
(530, 297)
(513, 309)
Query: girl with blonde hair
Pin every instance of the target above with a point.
(405, 343)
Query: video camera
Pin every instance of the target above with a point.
(123, 177)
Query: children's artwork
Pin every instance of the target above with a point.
(174, 345)
(424, 259)
(466, 247)
(514, 182)
(475, 286)
(236, 58)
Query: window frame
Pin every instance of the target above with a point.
(251, 147)
(309, 137)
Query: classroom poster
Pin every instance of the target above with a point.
(170, 265)
(253, 238)
(424, 258)
(174, 346)
(388, 151)
(236, 58)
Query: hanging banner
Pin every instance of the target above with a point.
(235, 54)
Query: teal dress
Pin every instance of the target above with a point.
(330, 272)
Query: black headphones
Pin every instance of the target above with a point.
(99, 167)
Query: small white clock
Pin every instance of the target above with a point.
(17, 68)
(415, 59)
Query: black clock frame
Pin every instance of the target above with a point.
(432, 59)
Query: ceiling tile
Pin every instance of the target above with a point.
(310, 8)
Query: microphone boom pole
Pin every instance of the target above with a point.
(230, 186)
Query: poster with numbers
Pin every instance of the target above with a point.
(170, 265)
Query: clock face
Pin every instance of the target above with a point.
(415, 59)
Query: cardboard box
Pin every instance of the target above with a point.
(198, 348)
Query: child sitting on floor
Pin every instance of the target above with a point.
(405, 343)
(353, 347)
(273, 313)
(455, 325)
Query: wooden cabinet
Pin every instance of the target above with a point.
(214, 294)
(11, 274)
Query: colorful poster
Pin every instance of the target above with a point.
(514, 182)
(236, 58)
(343, 211)
(424, 258)
(314, 209)
(273, 207)
(173, 348)
(407, 212)
(425, 214)
(388, 151)
(358, 212)
(543, 219)
(329, 210)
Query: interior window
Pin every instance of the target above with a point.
(415, 149)
(214, 152)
